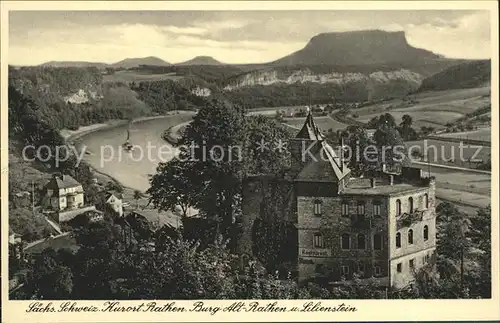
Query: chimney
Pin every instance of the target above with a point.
(391, 180)
(372, 182)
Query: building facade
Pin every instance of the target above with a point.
(379, 226)
(63, 192)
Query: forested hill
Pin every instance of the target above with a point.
(465, 75)
(70, 97)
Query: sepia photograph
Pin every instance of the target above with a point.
(248, 155)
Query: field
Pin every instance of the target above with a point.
(127, 76)
(324, 123)
(450, 153)
(465, 187)
(482, 134)
(433, 109)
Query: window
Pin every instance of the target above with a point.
(344, 270)
(377, 270)
(361, 208)
(398, 207)
(426, 259)
(426, 233)
(377, 242)
(412, 263)
(426, 201)
(317, 207)
(361, 267)
(398, 240)
(345, 241)
(399, 267)
(410, 205)
(410, 236)
(376, 208)
(318, 241)
(345, 209)
(361, 241)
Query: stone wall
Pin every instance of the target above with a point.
(332, 225)
(265, 196)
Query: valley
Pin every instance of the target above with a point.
(252, 209)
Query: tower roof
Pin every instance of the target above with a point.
(310, 130)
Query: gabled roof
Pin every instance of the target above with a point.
(62, 181)
(108, 194)
(336, 162)
(325, 166)
(326, 162)
(310, 130)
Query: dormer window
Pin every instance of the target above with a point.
(317, 207)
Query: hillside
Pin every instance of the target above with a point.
(357, 48)
(135, 62)
(71, 97)
(201, 60)
(465, 75)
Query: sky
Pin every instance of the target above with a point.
(228, 36)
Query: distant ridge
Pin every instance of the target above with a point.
(73, 64)
(357, 48)
(201, 60)
(136, 62)
(462, 76)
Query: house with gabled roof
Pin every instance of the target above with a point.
(115, 201)
(382, 225)
(63, 192)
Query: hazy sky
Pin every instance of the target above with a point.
(229, 36)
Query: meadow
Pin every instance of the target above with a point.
(323, 122)
(449, 153)
(482, 134)
(434, 109)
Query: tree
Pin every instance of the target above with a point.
(172, 185)
(217, 134)
(49, 279)
(357, 140)
(390, 144)
(481, 236)
(453, 241)
(405, 129)
(217, 150)
(407, 121)
(137, 197)
(114, 186)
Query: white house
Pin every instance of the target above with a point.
(63, 192)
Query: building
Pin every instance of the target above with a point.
(115, 202)
(64, 199)
(378, 226)
(63, 192)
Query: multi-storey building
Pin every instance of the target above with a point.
(64, 192)
(378, 226)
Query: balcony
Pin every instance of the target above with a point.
(407, 219)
